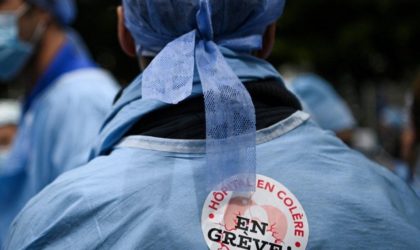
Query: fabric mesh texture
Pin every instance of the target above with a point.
(187, 34)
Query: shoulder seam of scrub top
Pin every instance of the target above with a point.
(198, 146)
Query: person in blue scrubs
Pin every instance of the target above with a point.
(410, 142)
(326, 107)
(414, 156)
(67, 98)
(184, 125)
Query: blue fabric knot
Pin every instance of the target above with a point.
(230, 113)
(190, 49)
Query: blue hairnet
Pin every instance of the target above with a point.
(64, 10)
(155, 23)
(187, 35)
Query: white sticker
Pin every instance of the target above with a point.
(271, 218)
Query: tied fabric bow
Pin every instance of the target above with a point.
(230, 113)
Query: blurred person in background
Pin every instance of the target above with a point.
(9, 120)
(410, 143)
(392, 119)
(209, 113)
(414, 157)
(398, 149)
(326, 107)
(67, 98)
(330, 111)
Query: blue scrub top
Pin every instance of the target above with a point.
(62, 115)
(144, 192)
(150, 193)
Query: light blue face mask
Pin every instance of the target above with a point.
(14, 53)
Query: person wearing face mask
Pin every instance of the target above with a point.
(9, 119)
(67, 97)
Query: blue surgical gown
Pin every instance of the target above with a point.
(148, 193)
(62, 116)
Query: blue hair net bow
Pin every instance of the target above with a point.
(63, 10)
(187, 35)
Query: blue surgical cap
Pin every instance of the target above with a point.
(155, 23)
(64, 10)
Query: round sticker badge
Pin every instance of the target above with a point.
(271, 218)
